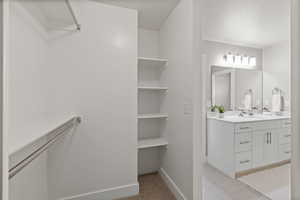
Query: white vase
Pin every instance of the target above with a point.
(221, 115)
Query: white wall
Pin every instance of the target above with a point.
(4, 42)
(277, 69)
(295, 73)
(32, 182)
(26, 97)
(176, 44)
(148, 43)
(91, 73)
(95, 74)
(247, 22)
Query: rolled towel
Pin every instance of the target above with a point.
(276, 102)
(248, 101)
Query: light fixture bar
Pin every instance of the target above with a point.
(239, 61)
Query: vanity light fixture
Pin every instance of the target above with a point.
(239, 61)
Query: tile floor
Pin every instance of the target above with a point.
(216, 186)
(274, 183)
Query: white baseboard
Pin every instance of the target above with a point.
(171, 185)
(108, 194)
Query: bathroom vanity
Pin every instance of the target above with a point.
(241, 145)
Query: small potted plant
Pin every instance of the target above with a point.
(213, 110)
(221, 110)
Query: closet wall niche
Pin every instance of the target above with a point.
(152, 112)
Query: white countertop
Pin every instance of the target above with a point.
(254, 118)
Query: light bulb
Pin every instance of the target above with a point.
(252, 61)
(245, 60)
(229, 59)
(238, 60)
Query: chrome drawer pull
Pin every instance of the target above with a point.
(287, 152)
(246, 142)
(244, 162)
(243, 128)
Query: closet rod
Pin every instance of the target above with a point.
(59, 133)
(73, 15)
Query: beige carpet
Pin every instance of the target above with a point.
(273, 183)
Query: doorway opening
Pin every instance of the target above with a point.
(248, 133)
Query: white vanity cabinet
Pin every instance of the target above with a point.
(237, 146)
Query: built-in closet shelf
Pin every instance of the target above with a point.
(152, 116)
(153, 62)
(152, 88)
(151, 143)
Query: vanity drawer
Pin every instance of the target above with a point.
(285, 152)
(244, 127)
(243, 161)
(243, 142)
(285, 136)
(272, 124)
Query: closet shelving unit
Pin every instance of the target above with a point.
(150, 92)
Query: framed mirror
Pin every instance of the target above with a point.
(236, 88)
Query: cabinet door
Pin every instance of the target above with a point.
(265, 147)
(259, 143)
(271, 147)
